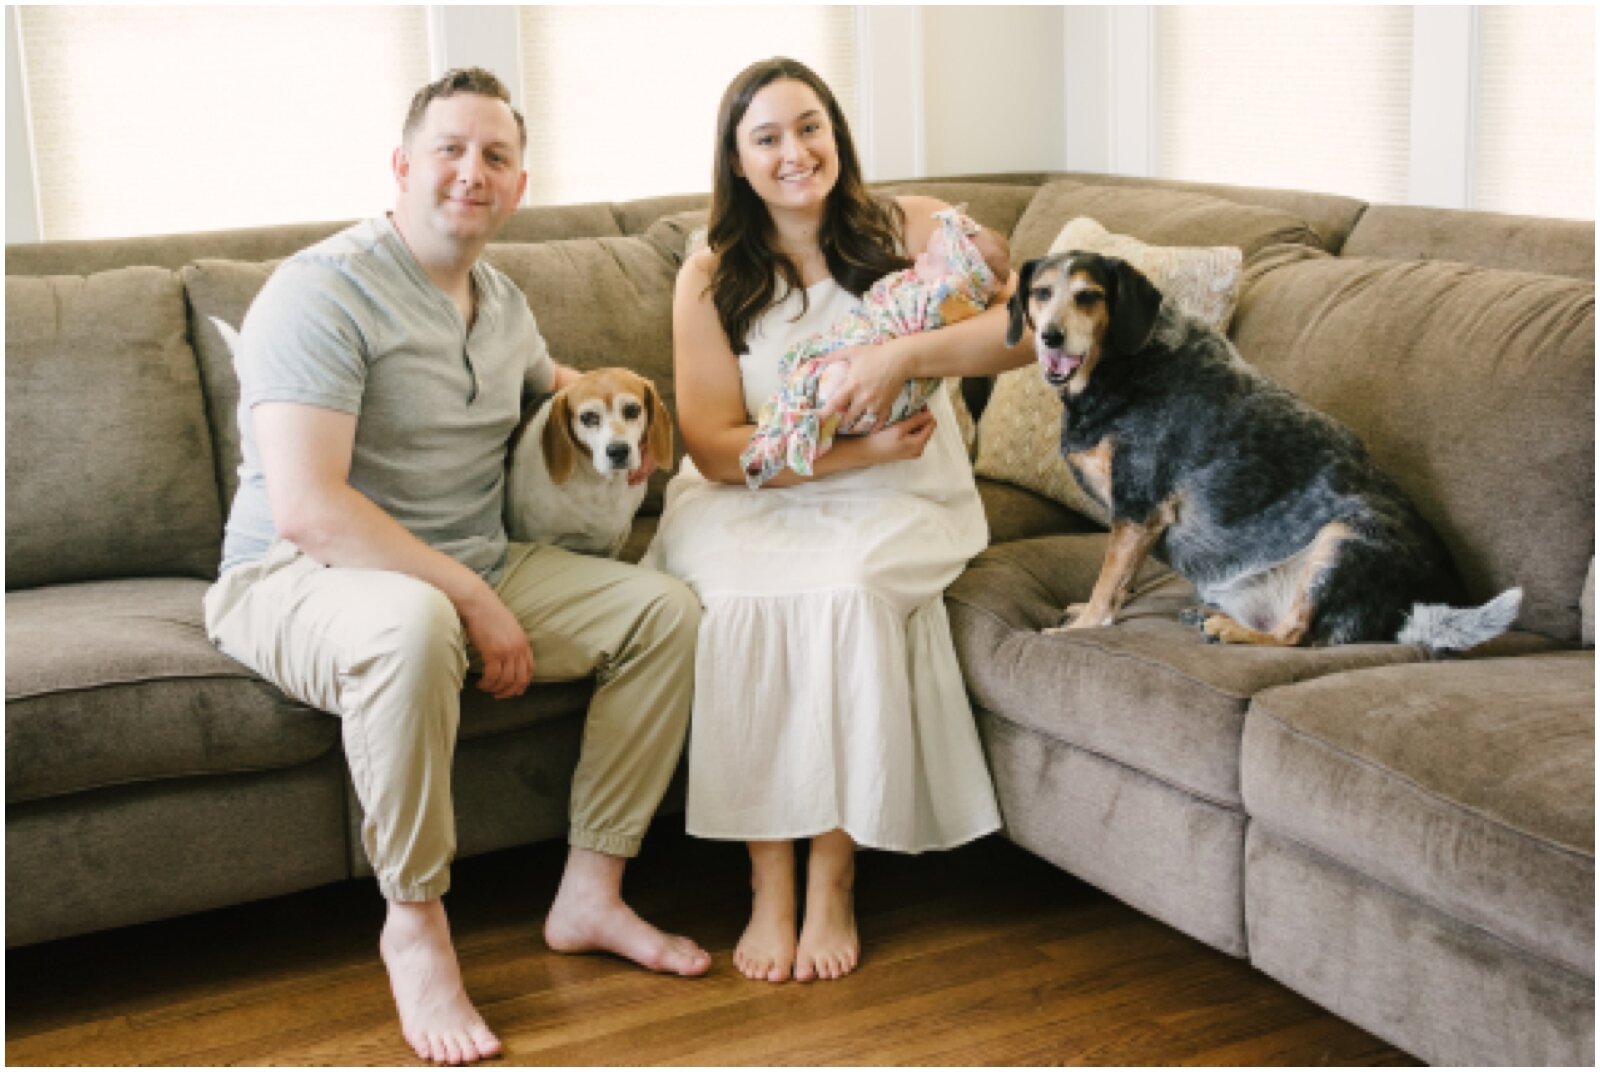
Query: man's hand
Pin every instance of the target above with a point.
(501, 644)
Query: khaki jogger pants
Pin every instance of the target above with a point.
(387, 653)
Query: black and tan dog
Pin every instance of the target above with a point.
(1272, 510)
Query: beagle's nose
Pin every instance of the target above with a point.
(1053, 337)
(618, 453)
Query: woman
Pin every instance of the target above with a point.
(828, 701)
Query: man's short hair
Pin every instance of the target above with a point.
(474, 80)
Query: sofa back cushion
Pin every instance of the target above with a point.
(1159, 216)
(108, 456)
(224, 290)
(1472, 387)
(1487, 239)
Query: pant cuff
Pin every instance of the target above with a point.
(624, 845)
(413, 892)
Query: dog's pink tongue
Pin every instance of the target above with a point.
(1059, 364)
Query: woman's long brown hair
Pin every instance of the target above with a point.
(859, 235)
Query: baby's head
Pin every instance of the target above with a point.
(996, 254)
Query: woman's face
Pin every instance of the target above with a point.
(785, 146)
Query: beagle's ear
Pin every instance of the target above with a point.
(1018, 305)
(658, 438)
(1133, 307)
(560, 452)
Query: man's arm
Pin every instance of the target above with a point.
(305, 458)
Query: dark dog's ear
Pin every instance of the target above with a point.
(658, 436)
(560, 452)
(1133, 308)
(1018, 305)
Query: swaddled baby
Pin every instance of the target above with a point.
(962, 268)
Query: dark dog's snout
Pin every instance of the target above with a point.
(1053, 337)
(618, 453)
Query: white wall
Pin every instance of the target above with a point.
(993, 90)
(22, 207)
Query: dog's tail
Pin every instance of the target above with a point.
(229, 336)
(1441, 628)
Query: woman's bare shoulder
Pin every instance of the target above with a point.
(920, 224)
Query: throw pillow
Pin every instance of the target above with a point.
(1019, 433)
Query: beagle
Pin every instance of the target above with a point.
(568, 464)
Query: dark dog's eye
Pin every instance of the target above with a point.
(591, 419)
(1087, 299)
(631, 411)
(1040, 294)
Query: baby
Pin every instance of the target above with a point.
(962, 268)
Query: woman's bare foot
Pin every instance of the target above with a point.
(829, 947)
(766, 949)
(589, 916)
(435, 1016)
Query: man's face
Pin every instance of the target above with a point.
(460, 174)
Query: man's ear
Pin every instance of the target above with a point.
(658, 438)
(1133, 312)
(560, 452)
(1018, 305)
(400, 162)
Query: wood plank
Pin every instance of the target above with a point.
(983, 955)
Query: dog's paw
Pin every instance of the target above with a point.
(1076, 616)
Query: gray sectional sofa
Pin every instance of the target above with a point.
(1408, 842)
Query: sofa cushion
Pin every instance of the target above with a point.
(1473, 388)
(632, 280)
(1147, 692)
(550, 223)
(108, 456)
(1018, 514)
(1487, 239)
(1466, 785)
(1152, 214)
(222, 289)
(115, 682)
(1331, 216)
(998, 206)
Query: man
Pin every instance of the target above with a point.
(365, 566)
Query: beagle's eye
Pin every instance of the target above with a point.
(589, 419)
(1087, 299)
(632, 411)
(1040, 294)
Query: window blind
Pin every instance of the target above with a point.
(149, 120)
(1535, 146)
(621, 102)
(1308, 98)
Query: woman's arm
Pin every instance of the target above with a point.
(711, 413)
(975, 347)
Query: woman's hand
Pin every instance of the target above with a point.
(869, 389)
(903, 441)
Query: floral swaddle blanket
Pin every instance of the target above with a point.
(949, 282)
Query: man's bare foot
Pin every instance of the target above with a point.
(766, 949)
(589, 916)
(829, 947)
(435, 1016)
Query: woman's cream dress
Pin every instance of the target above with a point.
(827, 694)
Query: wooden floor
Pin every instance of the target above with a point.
(984, 956)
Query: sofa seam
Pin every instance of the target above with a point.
(1403, 895)
(174, 776)
(1411, 784)
(70, 690)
